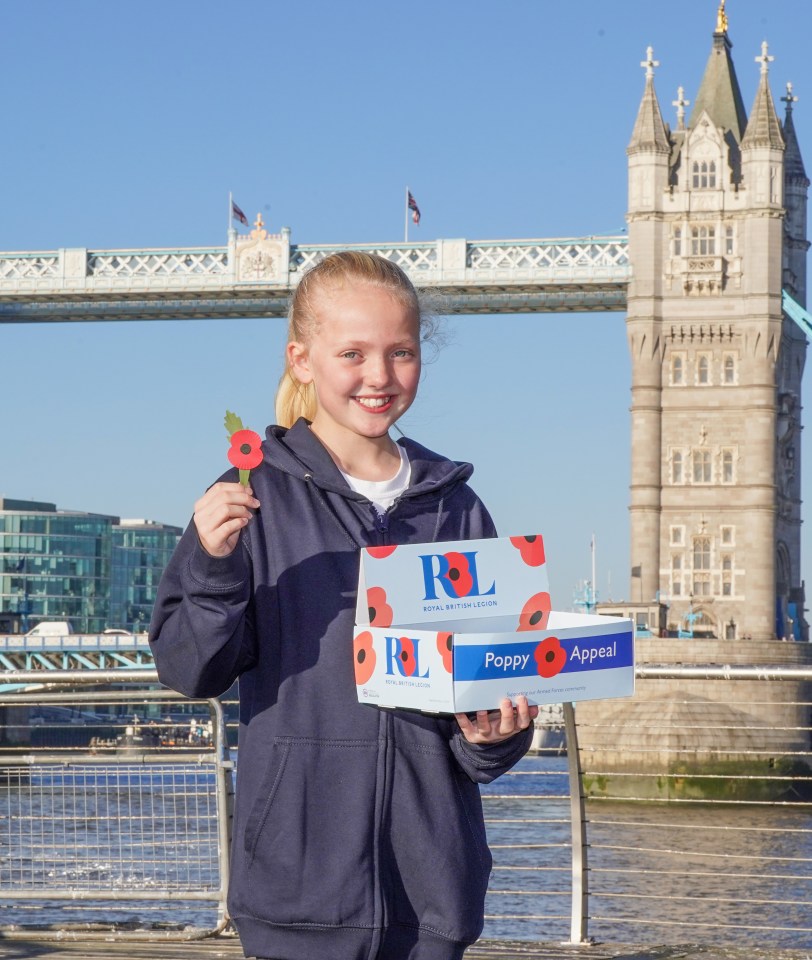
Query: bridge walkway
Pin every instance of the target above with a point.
(24, 946)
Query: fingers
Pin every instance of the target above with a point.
(468, 729)
(496, 725)
(220, 515)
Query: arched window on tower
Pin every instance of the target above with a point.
(729, 369)
(677, 369)
(701, 459)
(677, 241)
(728, 475)
(703, 241)
(676, 466)
(703, 175)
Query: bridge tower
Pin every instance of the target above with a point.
(717, 227)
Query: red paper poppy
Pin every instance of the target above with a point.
(364, 657)
(245, 451)
(550, 657)
(407, 657)
(446, 650)
(379, 553)
(459, 574)
(535, 613)
(531, 549)
(380, 613)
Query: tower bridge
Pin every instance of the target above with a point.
(75, 652)
(254, 275)
(712, 277)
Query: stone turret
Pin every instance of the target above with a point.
(712, 355)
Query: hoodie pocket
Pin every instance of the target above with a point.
(441, 861)
(308, 841)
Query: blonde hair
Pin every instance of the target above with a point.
(295, 399)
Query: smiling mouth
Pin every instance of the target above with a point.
(374, 403)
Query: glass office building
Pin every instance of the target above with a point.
(72, 566)
(141, 551)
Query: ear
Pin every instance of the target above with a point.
(299, 361)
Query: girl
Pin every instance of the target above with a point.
(358, 832)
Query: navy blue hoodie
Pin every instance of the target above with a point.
(358, 832)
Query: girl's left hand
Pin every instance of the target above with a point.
(493, 727)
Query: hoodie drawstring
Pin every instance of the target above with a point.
(439, 520)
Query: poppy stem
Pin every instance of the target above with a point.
(244, 477)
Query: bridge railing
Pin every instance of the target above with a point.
(248, 267)
(581, 849)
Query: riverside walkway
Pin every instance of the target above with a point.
(26, 947)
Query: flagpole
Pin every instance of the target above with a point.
(230, 213)
(594, 585)
(406, 219)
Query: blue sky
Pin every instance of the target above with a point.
(126, 125)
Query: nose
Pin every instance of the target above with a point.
(377, 372)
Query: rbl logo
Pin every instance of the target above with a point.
(403, 656)
(455, 572)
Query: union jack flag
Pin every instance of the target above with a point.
(414, 208)
(238, 214)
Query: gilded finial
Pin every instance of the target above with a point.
(721, 18)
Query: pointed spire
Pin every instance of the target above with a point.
(763, 127)
(719, 93)
(793, 161)
(649, 134)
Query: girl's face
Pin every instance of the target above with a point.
(363, 361)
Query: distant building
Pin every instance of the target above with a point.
(93, 570)
(141, 551)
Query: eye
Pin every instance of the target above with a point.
(403, 353)
(350, 354)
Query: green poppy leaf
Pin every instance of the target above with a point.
(233, 423)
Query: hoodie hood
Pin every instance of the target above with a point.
(298, 452)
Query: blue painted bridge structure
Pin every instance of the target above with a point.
(75, 652)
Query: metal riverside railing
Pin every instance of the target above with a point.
(678, 830)
(115, 807)
(669, 829)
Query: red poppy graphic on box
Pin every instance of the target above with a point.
(531, 549)
(550, 657)
(446, 648)
(536, 612)
(458, 626)
(364, 657)
(380, 613)
(381, 552)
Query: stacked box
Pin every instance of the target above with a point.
(456, 627)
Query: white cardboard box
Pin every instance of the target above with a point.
(456, 627)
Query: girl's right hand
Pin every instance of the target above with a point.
(220, 514)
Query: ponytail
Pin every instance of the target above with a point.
(294, 399)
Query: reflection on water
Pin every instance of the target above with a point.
(714, 867)
(742, 873)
